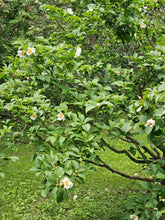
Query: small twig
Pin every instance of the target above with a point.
(24, 128)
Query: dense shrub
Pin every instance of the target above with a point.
(99, 70)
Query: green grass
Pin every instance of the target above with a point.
(102, 197)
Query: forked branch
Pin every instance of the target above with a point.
(122, 152)
(103, 164)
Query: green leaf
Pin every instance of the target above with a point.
(54, 193)
(14, 158)
(127, 127)
(2, 174)
(148, 129)
(52, 139)
(106, 103)
(52, 176)
(45, 85)
(163, 210)
(81, 116)
(86, 127)
(147, 185)
(59, 195)
(75, 149)
(1, 75)
(45, 192)
(61, 139)
(75, 165)
(89, 107)
(160, 175)
(90, 137)
(59, 171)
(82, 176)
(153, 169)
(117, 83)
(151, 203)
(159, 112)
(63, 106)
(88, 119)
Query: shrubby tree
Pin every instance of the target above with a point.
(98, 75)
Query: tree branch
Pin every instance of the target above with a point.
(150, 152)
(137, 143)
(123, 152)
(42, 139)
(156, 151)
(118, 172)
(148, 38)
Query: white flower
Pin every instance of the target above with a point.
(21, 53)
(135, 217)
(143, 25)
(67, 183)
(98, 104)
(78, 52)
(75, 197)
(69, 10)
(150, 123)
(72, 0)
(135, 174)
(90, 9)
(33, 116)
(163, 112)
(61, 116)
(139, 109)
(44, 73)
(30, 50)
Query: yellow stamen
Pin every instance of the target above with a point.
(30, 51)
(66, 183)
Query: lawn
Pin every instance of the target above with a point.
(102, 197)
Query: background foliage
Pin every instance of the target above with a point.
(77, 74)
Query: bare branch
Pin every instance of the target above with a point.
(118, 172)
(156, 151)
(125, 139)
(124, 152)
(150, 152)
(137, 143)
